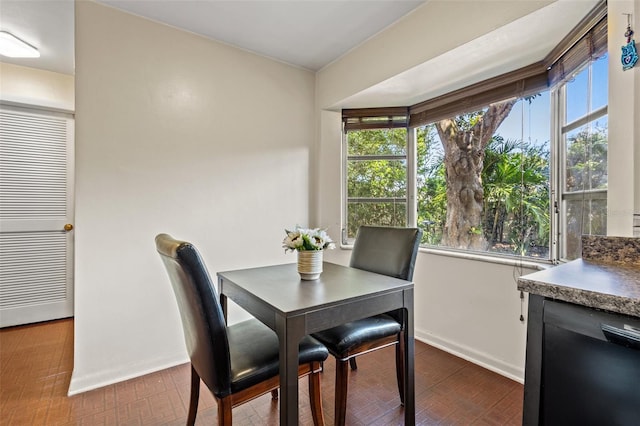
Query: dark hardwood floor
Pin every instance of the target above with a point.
(36, 362)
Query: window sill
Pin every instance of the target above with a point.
(489, 258)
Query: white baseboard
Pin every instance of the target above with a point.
(484, 360)
(87, 382)
(84, 383)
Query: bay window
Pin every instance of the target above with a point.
(515, 165)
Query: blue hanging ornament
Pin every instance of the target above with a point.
(629, 52)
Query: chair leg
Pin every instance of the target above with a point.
(274, 394)
(193, 398)
(353, 364)
(315, 396)
(400, 349)
(342, 380)
(224, 411)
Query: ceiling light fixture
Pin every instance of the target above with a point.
(12, 47)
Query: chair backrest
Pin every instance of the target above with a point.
(203, 323)
(386, 250)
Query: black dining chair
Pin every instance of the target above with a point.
(384, 250)
(237, 362)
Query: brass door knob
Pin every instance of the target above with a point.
(68, 227)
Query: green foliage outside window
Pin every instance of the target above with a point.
(376, 178)
(516, 197)
(586, 170)
(515, 178)
(587, 158)
(431, 185)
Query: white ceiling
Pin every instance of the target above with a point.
(309, 34)
(306, 33)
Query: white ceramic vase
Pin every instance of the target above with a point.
(310, 264)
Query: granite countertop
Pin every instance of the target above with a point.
(607, 277)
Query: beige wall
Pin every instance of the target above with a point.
(179, 134)
(624, 127)
(43, 89)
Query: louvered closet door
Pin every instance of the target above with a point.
(36, 252)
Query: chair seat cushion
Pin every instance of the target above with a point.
(253, 350)
(341, 339)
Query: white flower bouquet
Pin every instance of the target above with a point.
(302, 239)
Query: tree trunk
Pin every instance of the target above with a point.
(464, 159)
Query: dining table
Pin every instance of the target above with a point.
(293, 308)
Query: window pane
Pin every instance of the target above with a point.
(583, 217)
(375, 213)
(510, 214)
(586, 157)
(431, 185)
(377, 142)
(585, 161)
(529, 120)
(577, 101)
(600, 91)
(377, 178)
(376, 188)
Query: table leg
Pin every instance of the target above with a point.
(223, 305)
(290, 331)
(409, 380)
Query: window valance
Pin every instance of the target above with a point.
(375, 118)
(525, 81)
(587, 42)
